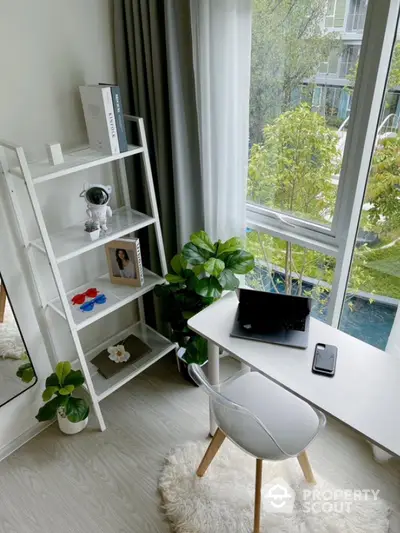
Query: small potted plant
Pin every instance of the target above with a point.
(92, 230)
(200, 274)
(71, 412)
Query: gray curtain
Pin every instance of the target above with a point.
(154, 67)
(182, 95)
(141, 64)
(154, 64)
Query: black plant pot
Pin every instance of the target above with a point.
(183, 366)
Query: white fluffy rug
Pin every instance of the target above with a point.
(223, 500)
(11, 344)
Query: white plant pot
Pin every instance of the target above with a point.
(71, 428)
(93, 235)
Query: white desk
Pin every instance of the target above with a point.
(364, 393)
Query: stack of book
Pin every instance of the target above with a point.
(104, 118)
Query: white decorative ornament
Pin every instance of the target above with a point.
(118, 354)
(97, 197)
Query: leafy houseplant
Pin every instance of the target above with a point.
(72, 413)
(200, 274)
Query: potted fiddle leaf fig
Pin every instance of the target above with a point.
(71, 412)
(200, 274)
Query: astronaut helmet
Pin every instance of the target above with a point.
(96, 193)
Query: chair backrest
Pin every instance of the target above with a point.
(234, 419)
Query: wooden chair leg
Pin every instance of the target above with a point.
(257, 500)
(211, 452)
(3, 297)
(306, 467)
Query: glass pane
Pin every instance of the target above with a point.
(373, 291)
(303, 68)
(291, 269)
(16, 370)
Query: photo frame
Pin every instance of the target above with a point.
(125, 262)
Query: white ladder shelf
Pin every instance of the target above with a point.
(70, 242)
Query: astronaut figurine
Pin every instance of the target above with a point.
(97, 197)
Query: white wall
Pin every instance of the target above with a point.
(47, 49)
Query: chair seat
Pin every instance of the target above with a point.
(291, 421)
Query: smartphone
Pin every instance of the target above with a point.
(324, 359)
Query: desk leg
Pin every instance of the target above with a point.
(213, 376)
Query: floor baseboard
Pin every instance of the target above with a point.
(12, 446)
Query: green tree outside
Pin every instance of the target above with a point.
(288, 45)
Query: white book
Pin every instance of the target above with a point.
(101, 127)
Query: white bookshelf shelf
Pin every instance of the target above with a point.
(159, 345)
(117, 296)
(75, 161)
(72, 241)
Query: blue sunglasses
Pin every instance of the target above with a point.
(88, 306)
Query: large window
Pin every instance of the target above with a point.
(324, 128)
(296, 144)
(374, 283)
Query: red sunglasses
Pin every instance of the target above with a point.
(80, 298)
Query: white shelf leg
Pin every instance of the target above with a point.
(4, 170)
(58, 280)
(89, 382)
(152, 195)
(142, 313)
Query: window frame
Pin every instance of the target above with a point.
(338, 240)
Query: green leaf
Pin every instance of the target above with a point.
(76, 409)
(75, 378)
(229, 246)
(209, 288)
(49, 410)
(28, 375)
(52, 381)
(228, 280)
(25, 372)
(194, 255)
(22, 368)
(196, 351)
(188, 314)
(176, 264)
(203, 241)
(48, 393)
(240, 262)
(174, 278)
(62, 370)
(214, 266)
(198, 270)
(67, 390)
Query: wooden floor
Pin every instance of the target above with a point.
(107, 482)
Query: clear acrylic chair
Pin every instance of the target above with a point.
(263, 419)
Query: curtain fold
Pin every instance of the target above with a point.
(141, 68)
(185, 148)
(221, 32)
(184, 66)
